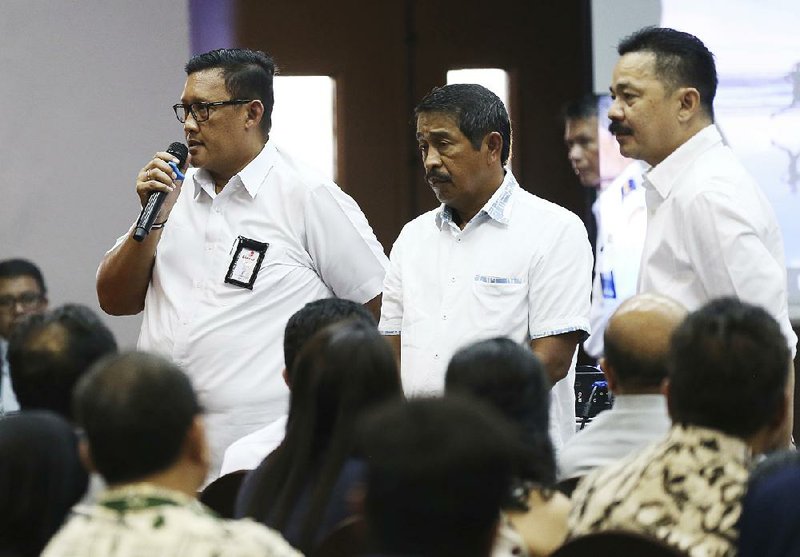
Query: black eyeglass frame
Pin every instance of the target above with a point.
(205, 106)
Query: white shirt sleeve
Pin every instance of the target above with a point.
(729, 255)
(561, 283)
(391, 322)
(346, 254)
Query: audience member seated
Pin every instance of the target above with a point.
(48, 353)
(22, 293)
(438, 472)
(636, 343)
(145, 436)
(770, 517)
(249, 451)
(41, 477)
(302, 488)
(511, 379)
(728, 395)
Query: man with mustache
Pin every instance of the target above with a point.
(492, 260)
(711, 232)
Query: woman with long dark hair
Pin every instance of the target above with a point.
(301, 489)
(511, 379)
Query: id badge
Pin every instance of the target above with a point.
(246, 262)
(607, 282)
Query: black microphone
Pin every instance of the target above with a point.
(150, 211)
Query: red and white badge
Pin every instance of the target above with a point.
(246, 262)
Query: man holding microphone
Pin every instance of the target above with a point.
(254, 237)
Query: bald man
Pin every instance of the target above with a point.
(636, 347)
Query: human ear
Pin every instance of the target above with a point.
(255, 112)
(85, 456)
(494, 146)
(689, 99)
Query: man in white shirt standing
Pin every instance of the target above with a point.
(254, 238)
(618, 211)
(710, 230)
(492, 260)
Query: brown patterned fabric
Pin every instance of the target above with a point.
(685, 490)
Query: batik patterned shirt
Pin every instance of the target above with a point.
(142, 520)
(685, 490)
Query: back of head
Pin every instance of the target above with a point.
(681, 60)
(13, 268)
(343, 369)
(48, 353)
(438, 471)
(41, 477)
(248, 74)
(728, 368)
(315, 316)
(136, 410)
(770, 513)
(339, 373)
(508, 377)
(636, 341)
(476, 110)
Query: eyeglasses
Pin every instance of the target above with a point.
(27, 301)
(201, 111)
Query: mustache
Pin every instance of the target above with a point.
(434, 176)
(618, 129)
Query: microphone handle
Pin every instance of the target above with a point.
(148, 215)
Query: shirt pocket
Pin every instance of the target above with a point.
(499, 302)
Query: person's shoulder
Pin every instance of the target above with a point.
(426, 222)
(717, 170)
(533, 205)
(297, 173)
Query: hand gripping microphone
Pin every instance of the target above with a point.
(150, 211)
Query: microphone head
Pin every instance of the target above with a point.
(179, 150)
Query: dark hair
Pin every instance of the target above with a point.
(437, 473)
(343, 370)
(635, 369)
(48, 353)
(728, 367)
(136, 410)
(41, 478)
(681, 60)
(247, 73)
(511, 379)
(314, 316)
(13, 268)
(580, 109)
(477, 112)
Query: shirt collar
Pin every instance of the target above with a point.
(663, 177)
(139, 496)
(497, 208)
(656, 402)
(251, 176)
(735, 448)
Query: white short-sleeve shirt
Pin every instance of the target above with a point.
(228, 338)
(521, 268)
(711, 232)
